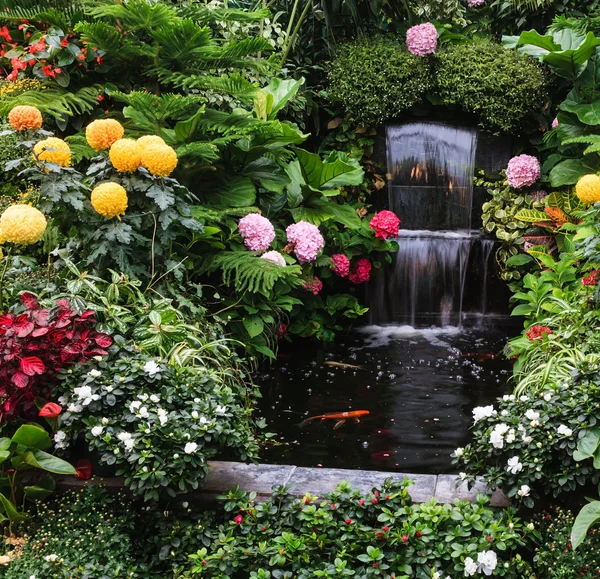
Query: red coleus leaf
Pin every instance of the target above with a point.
(29, 301)
(40, 332)
(32, 365)
(87, 316)
(23, 326)
(103, 340)
(40, 317)
(50, 410)
(20, 380)
(84, 469)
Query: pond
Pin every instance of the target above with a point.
(418, 385)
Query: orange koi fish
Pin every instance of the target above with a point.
(341, 417)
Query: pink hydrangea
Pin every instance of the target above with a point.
(306, 239)
(475, 3)
(340, 264)
(386, 224)
(257, 232)
(313, 285)
(422, 40)
(555, 123)
(523, 171)
(361, 271)
(274, 257)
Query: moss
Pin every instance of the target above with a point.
(375, 79)
(500, 86)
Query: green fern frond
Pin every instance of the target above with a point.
(80, 148)
(108, 38)
(184, 42)
(235, 85)
(587, 139)
(246, 47)
(250, 273)
(240, 121)
(59, 12)
(220, 216)
(134, 14)
(204, 15)
(199, 152)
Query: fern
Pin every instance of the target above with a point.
(80, 148)
(57, 12)
(592, 140)
(108, 38)
(199, 152)
(250, 273)
(134, 14)
(204, 15)
(235, 84)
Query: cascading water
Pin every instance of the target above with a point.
(431, 168)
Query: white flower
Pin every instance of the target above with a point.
(565, 430)
(176, 456)
(462, 475)
(190, 448)
(436, 575)
(548, 396)
(62, 400)
(524, 491)
(135, 405)
(51, 558)
(203, 420)
(508, 397)
(94, 373)
(84, 393)
(504, 413)
(143, 397)
(151, 367)
(74, 408)
(481, 412)
(154, 398)
(527, 439)
(530, 526)
(488, 560)
(104, 421)
(534, 423)
(124, 436)
(144, 412)
(98, 358)
(109, 389)
(459, 452)
(497, 435)
(514, 466)
(162, 416)
(532, 415)
(510, 437)
(220, 410)
(470, 567)
(197, 400)
(524, 398)
(97, 430)
(60, 439)
(31, 576)
(195, 414)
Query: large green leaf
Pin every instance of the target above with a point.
(47, 462)
(314, 215)
(185, 129)
(344, 214)
(32, 436)
(266, 171)
(294, 188)
(11, 512)
(588, 113)
(336, 171)
(282, 90)
(568, 172)
(40, 491)
(236, 191)
(254, 325)
(588, 516)
(587, 445)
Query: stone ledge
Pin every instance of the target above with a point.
(261, 478)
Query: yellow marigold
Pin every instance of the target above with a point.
(25, 117)
(160, 160)
(1, 253)
(588, 189)
(53, 150)
(101, 134)
(150, 140)
(109, 199)
(22, 224)
(126, 155)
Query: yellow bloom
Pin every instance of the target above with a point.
(109, 199)
(1, 253)
(150, 140)
(160, 160)
(101, 134)
(588, 189)
(53, 150)
(126, 155)
(25, 117)
(22, 224)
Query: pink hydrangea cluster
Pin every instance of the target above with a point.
(475, 3)
(361, 272)
(257, 232)
(313, 285)
(274, 257)
(340, 264)
(422, 40)
(555, 123)
(386, 224)
(523, 171)
(306, 239)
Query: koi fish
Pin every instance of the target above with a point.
(341, 417)
(342, 365)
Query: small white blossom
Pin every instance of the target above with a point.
(162, 416)
(508, 397)
(144, 412)
(151, 368)
(197, 400)
(63, 400)
(185, 504)
(154, 398)
(84, 393)
(97, 430)
(104, 421)
(94, 373)
(462, 475)
(532, 415)
(203, 420)
(124, 436)
(436, 575)
(481, 412)
(524, 491)
(459, 452)
(60, 439)
(534, 423)
(109, 389)
(524, 398)
(195, 414)
(176, 456)
(548, 396)
(513, 465)
(564, 430)
(74, 408)
(135, 405)
(143, 397)
(220, 410)
(497, 435)
(51, 558)
(488, 561)
(530, 526)
(98, 358)
(527, 439)
(510, 437)
(504, 413)
(470, 567)
(190, 448)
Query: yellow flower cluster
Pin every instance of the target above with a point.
(19, 85)
(53, 150)
(101, 134)
(22, 224)
(24, 117)
(109, 199)
(126, 155)
(150, 140)
(588, 189)
(159, 159)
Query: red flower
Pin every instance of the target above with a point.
(333, 506)
(361, 502)
(537, 332)
(18, 64)
(64, 43)
(591, 278)
(281, 331)
(489, 539)
(313, 285)
(374, 501)
(13, 75)
(361, 271)
(84, 469)
(239, 519)
(386, 224)
(47, 70)
(81, 56)
(348, 521)
(37, 47)
(99, 60)
(386, 528)
(5, 33)
(50, 410)
(100, 98)
(418, 534)
(404, 538)
(340, 264)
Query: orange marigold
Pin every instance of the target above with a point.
(24, 117)
(53, 150)
(151, 140)
(160, 160)
(101, 134)
(109, 199)
(126, 155)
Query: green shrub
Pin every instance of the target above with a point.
(499, 86)
(375, 79)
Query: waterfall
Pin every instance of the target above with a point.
(430, 173)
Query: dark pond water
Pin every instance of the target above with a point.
(419, 387)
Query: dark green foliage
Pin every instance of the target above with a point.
(375, 79)
(499, 86)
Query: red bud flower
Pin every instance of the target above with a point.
(50, 410)
(239, 519)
